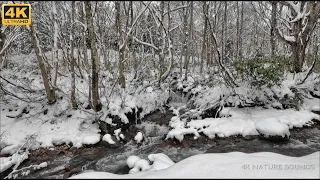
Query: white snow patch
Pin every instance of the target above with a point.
(179, 133)
(289, 38)
(138, 137)
(107, 137)
(121, 136)
(149, 89)
(117, 132)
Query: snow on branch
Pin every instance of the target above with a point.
(287, 39)
(145, 43)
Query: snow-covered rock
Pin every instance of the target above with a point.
(139, 137)
(107, 138)
(160, 161)
(131, 160)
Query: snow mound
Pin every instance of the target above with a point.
(229, 165)
(131, 160)
(272, 127)
(160, 161)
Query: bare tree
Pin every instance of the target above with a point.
(121, 45)
(73, 85)
(50, 91)
(189, 37)
(96, 105)
(205, 8)
(273, 26)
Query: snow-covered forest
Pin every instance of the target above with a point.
(176, 89)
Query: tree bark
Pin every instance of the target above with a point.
(50, 92)
(72, 62)
(189, 40)
(122, 80)
(186, 40)
(55, 46)
(204, 35)
(241, 28)
(273, 26)
(94, 59)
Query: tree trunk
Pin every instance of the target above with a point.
(51, 95)
(94, 59)
(72, 62)
(122, 80)
(204, 35)
(298, 56)
(185, 43)
(238, 30)
(55, 46)
(189, 40)
(240, 33)
(273, 26)
(161, 38)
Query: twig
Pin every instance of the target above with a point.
(313, 65)
(16, 85)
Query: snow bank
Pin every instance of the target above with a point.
(49, 129)
(244, 121)
(229, 165)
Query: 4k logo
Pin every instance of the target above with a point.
(16, 14)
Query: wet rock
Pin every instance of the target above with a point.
(72, 172)
(314, 95)
(133, 117)
(159, 117)
(274, 138)
(316, 112)
(211, 112)
(112, 146)
(123, 170)
(249, 137)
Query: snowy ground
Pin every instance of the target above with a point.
(220, 165)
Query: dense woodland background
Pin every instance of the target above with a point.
(142, 43)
